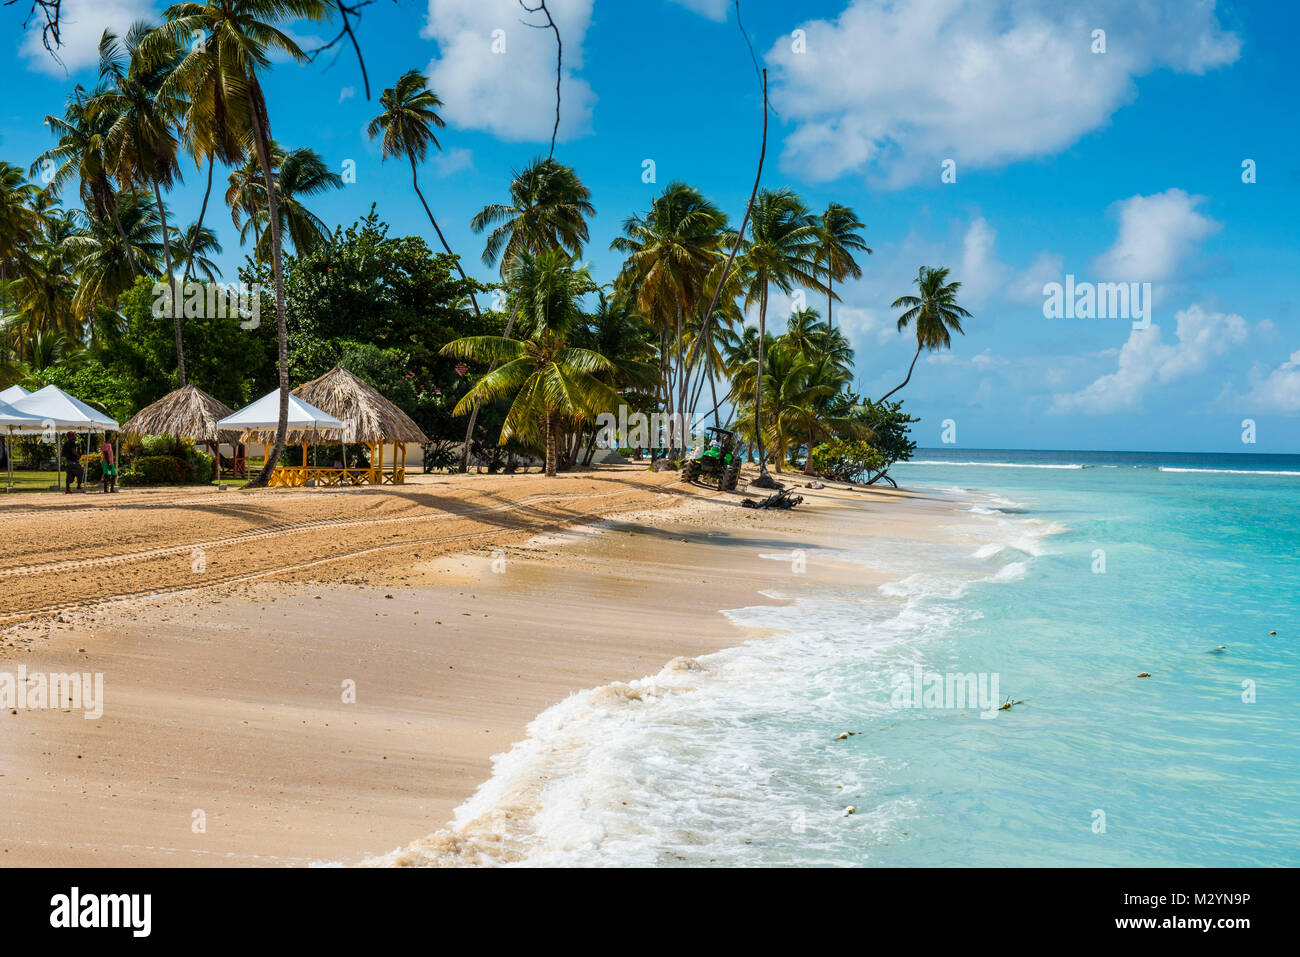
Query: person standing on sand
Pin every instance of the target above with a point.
(107, 466)
(71, 463)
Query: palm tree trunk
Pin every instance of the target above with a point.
(830, 298)
(189, 256)
(905, 381)
(262, 143)
(807, 459)
(473, 415)
(758, 382)
(171, 286)
(111, 204)
(551, 452)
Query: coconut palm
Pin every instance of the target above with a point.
(19, 222)
(79, 153)
(934, 312)
(198, 242)
(141, 145)
(548, 209)
(297, 174)
(670, 253)
(220, 76)
(837, 239)
(407, 124)
(548, 379)
(103, 262)
(780, 253)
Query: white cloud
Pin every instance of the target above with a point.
(1279, 390)
(509, 94)
(1146, 360)
(893, 89)
(1156, 235)
(1027, 286)
(82, 23)
(981, 273)
(347, 93)
(451, 161)
(713, 9)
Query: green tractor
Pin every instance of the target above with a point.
(714, 461)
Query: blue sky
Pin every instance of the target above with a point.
(1115, 166)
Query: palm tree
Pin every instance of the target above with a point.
(837, 238)
(80, 153)
(548, 209)
(198, 242)
(407, 124)
(103, 262)
(670, 252)
(780, 252)
(935, 312)
(19, 222)
(549, 379)
(220, 74)
(296, 174)
(141, 145)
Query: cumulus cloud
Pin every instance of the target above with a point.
(451, 161)
(1027, 286)
(981, 273)
(1279, 389)
(1147, 360)
(893, 89)
(82, 23)
(1156, 235)
(511, 93)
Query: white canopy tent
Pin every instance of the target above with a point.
(11, 420)
(264, 415)
(55, 409)
(13, 393)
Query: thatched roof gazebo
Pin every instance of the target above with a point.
(187, 413)
(369, 419)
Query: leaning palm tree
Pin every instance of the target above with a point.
(837, 239)
(141, 145)
(780, 253)
(935, 313)
(548, 209)
(407, 124)
(549, 380)
(221, 73)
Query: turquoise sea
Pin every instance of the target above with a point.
(1071, 574)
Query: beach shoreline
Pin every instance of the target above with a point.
(228, 737)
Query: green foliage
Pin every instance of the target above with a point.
(847, 460)
(889, 425)
(157, 470)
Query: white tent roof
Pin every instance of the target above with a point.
(12, 393)
(54, 408)
(16, 417)
(265, 414)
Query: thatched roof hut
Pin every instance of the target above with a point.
(368, 416)
(187, 413)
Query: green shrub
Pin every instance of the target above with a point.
(91, 463)
(157, 470)
(847, 460)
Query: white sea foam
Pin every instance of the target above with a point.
(727, 758)
(1170, 468)
(998, 465)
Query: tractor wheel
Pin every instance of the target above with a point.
(730, 475)
(691, 470)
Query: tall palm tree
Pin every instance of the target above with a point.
(549, 207)
(670, 253)
(141, 145)
(297, 174)
(80, 153)
(19, 221)
(220, 74)
(407, 124)
(780, 252)
(935, 313)
(549, 379)
(837, 239)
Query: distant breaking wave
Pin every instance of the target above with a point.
(1170, 468)
(1077, 465)
(999, 465)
